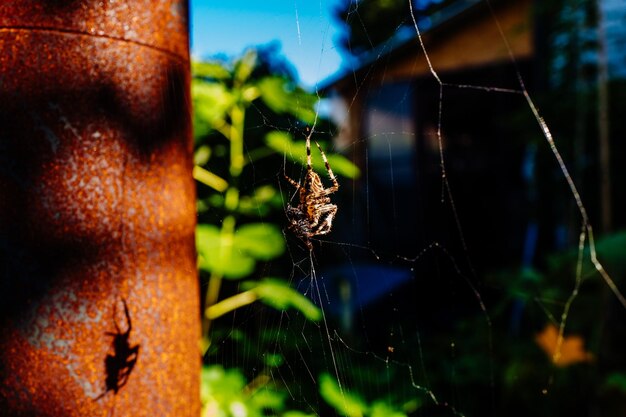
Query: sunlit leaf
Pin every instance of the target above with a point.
(283, 143)
(382, 409)
(274, 94)
(226, 392)
(344, 403)
(294, 413)
(263, 241)
(266, 398)
(235, 257)
(341, 166)
(282, 97)
(212, 69)
(215, 255)
(223, 393)
(250, 93)
(264, 193)
(211, 101)
(219, 384)
(301, 105)
(261, 202)
(230, 304)
(202, 155)
(245, 65)
(278, 294)
(209, 179)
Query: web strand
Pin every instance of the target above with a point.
(586, 228)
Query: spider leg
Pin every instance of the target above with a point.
(335, 186)
(299, 188)
(292, 182)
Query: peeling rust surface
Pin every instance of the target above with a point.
(97, 205)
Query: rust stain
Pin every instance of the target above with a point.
(97, 203)
(161, 24)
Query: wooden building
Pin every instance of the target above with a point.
(392, 102)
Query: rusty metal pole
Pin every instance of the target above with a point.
(97, 210)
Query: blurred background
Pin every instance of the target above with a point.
(472, 293)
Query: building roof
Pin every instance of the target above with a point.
(441, 25)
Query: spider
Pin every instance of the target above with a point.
(314, 214)
(120, 364)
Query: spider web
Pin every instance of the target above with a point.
(410, 306)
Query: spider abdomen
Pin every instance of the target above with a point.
(314, 213)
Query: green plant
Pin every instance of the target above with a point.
(222, 93)
(350, 404)
(226, 393)
(239, 230)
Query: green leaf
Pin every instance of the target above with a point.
(274, 93)
(266, 398)
(245, 65)
(345, 403)
(273, 360)
(213, 69)
(341, 166)
(294, 413)
(382, 409)
(213, 256)
(280, 96)
(202, 155)
(278, 294)
(302, 105)
(225, 392)
(282, 143)
(211, 101)
(220, 384)
(209, 179)
(262, 241)
(235, 256)
(261, 202)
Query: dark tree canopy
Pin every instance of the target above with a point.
(369, 23)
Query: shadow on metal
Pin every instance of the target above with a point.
(97, 204)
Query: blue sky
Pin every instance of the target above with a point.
(305, 29)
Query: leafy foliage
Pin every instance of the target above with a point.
(250, 243)
(278, 294)
(227, 393)
(239, 230)
(250, 111)
(282, 142)
(575, 361)
(349, 404)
